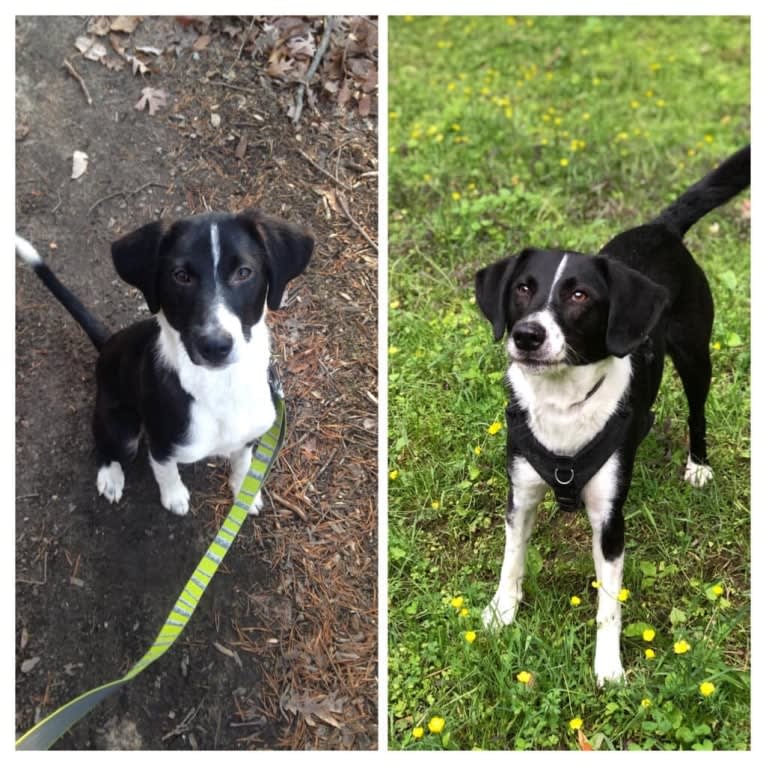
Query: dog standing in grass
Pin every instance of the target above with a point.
(587, 336)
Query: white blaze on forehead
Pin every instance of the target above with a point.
(215, 245)
(557, 276)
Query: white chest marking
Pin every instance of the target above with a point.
(232, 406)
(561, 414)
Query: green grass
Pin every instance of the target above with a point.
(558, 132)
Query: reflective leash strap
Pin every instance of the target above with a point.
(46, 732)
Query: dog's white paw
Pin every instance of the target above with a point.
(111, 481)
(607, 665)
(257, 505)
(175, 498)
(500, 611)
(697, 474)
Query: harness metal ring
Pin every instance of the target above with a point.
(569, 479)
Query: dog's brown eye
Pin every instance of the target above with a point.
(523, 289)
(578, 296)
(182, 276)
(242, 274)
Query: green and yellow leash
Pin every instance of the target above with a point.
(46, 732)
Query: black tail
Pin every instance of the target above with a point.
(97, 333)
(730, 178)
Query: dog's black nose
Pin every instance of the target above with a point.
(528, 336)
(215, 348)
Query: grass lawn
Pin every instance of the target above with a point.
(559, 132)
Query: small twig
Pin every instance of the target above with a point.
(244, 40)
(290, 506)
(234, 87)
(325, 172)
(329, 23)
(356, 224)
(124, 194)
(79, 79)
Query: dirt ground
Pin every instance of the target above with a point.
(282, 651)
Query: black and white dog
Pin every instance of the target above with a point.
(587, 336)
(193, 379)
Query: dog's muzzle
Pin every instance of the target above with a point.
(214, 348)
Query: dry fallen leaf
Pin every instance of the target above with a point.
(79, 164)
(153, 98)
(99, 25)
(125, 24)
(582, 741)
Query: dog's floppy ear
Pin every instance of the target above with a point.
(635, 306)
(491, 285)
(135, 256)
(288, 250)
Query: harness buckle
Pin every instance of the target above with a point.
(567, 480)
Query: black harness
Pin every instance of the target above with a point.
(567, 475)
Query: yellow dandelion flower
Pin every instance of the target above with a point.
(661, 103)
(510, 21)
(595, 584)
(648, 634)
(575, 724)
(645, 703)
(477, 450)
(649, 654)
(655, 67)
(470, 636)
(708, 138)
(494, 428)
(451, 86)
(649, 93)
(439, 137)
(457, 602)
(716, 347)
(485, 91)
(596, 81)
(717, 590)
(463, 612)
(707, 688)
(563, 162)
(623, 595)
(456, 195)
(394, 305)
(393, 350)
(408, 19)
(393, 475)
(418, 732)
(575, 601)
(435, 505)
(586, 115)
(681, 647)
(524, 677)
(436, 725)
(634, 104)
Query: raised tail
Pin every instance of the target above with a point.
(730, 178)
(97, 333)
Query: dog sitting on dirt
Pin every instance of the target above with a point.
(193, 379)
(587, 336)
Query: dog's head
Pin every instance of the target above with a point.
(210, 275)
(561, 308)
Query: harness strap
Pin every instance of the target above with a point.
(46, 732)
(567, 475)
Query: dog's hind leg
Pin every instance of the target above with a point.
(526, 491)
(692, 361)
(116, 434)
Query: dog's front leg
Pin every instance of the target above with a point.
(173, 492)
(240, 465)
(603, 501)
(526, 491)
